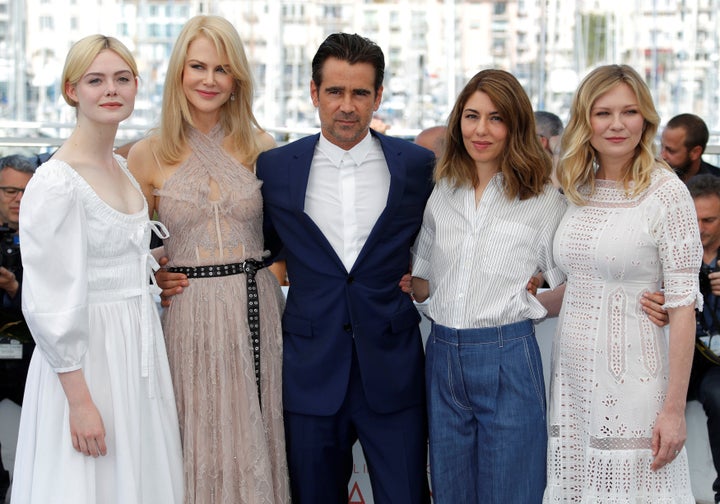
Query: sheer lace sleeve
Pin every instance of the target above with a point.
(679, 246)
(53, 246)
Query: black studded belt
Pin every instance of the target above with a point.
(217, 270)
(250, 267)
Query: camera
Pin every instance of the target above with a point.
(9, 249)
(705, 279)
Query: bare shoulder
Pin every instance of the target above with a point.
(143, 147)
(141, 161)
(265, 141)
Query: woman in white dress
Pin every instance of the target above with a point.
(618, 385)
(98, 422)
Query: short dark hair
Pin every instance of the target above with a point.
(696, 131)
(704, 185)
(548, 124)
(351, 48)
(17, 162)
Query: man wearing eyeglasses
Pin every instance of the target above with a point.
(15, 173)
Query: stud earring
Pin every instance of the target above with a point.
(232, 96)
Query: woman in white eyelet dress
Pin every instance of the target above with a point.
(98, 423)
(618, 384)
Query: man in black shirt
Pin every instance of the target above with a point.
(705, 375)
(683, 143)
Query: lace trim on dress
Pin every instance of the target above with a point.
(620, 443)
(617, 305)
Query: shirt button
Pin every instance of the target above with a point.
(347, 328)
(350, 279)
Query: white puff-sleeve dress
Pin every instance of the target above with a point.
(88, 300)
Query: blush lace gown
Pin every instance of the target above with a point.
(234, 450)
(610, 363)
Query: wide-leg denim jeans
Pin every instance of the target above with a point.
(486, 409)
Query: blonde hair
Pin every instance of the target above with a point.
(523, 163)
(576, 167)
(236, 115)
(83, 53)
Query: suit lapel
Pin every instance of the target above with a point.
(299, 174)
(395, 160)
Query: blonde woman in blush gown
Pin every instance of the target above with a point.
(223, 332)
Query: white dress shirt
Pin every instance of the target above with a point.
(346, 193)
(478, 259)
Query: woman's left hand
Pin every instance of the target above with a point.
(668, 437)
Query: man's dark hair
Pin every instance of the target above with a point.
(548, 124)
(353, 49)
(696, 131)
(704, 185)
(17, 162)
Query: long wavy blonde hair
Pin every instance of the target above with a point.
(524, 164)
(577, 162)
(236, 116)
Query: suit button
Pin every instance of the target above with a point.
(347, 328)
(350, 279)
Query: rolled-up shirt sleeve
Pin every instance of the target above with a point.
(54, 253)
(422, 249)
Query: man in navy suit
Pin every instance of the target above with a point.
(345, 205)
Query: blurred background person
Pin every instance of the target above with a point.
(549, 129)
(15, 172)
(683, 143)
(705, 374)
(16, 344)
(432, 138)
(618, 393)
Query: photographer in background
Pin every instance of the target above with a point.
(705, 375)
(15, 172)
(16, 345)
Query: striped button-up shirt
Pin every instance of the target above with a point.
(478, 259)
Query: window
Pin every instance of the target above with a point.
(46, 23)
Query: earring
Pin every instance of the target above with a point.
(232, 96)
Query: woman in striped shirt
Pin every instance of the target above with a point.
(488, 227)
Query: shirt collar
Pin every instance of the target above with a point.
(335, 154)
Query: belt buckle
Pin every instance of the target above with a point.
(249, 267)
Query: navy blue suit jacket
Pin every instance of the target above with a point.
(329, 307)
